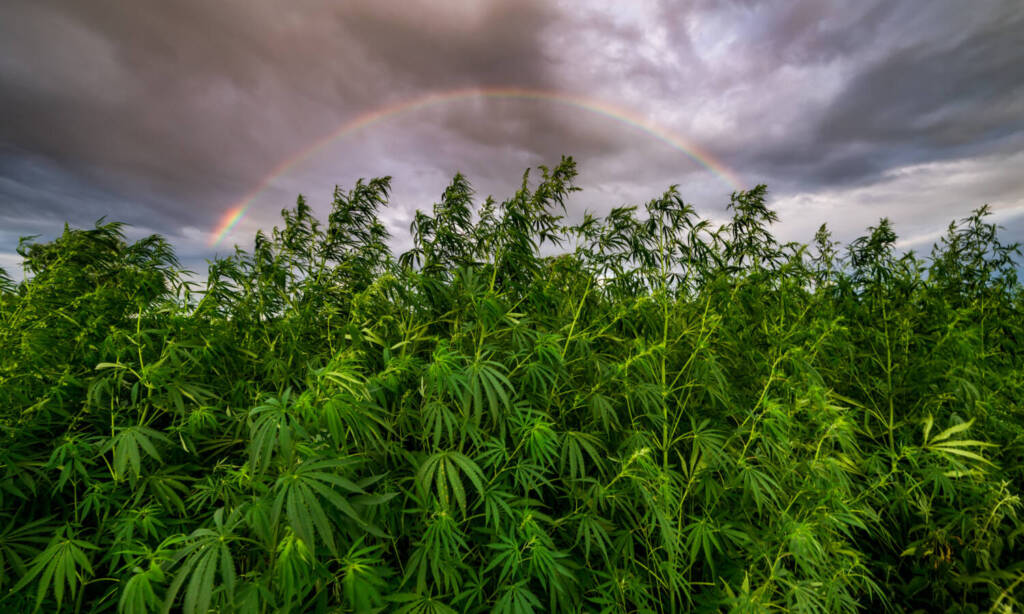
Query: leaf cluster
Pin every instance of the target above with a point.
(638, 412)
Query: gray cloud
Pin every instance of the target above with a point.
(164, 114)
(196, 101)
(938, 82)
(930, 95)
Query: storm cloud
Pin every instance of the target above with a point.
(165, 115)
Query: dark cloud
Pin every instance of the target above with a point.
(924, 85)
(163, 114)
(196, 100)
(941, 94)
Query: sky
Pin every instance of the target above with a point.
(172, 116)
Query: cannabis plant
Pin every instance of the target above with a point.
(636, 412)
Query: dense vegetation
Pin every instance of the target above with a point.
(664, 416)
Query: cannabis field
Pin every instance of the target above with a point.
(638, 412)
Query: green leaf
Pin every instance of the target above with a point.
(441, 474)
(62, 566)
(953, 430)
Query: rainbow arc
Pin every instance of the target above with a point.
(621, 115)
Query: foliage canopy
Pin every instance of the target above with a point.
(665, 416)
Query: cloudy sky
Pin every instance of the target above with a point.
(170, 115)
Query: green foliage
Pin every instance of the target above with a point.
(641, 412)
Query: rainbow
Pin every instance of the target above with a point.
(625, 116)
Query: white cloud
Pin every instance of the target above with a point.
(11, 263)
(920, 200)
